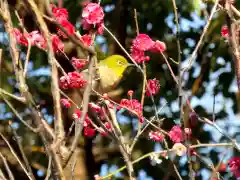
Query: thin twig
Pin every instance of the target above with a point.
(170, 69)
(45, 132)
(18, 115)
(163, 152)
(71, 37)
(48, 175)
(2, 176)
(58, 123)
(73, 166)
(234, 142)
(21, 99)
(29, 45)
(145, 127)
(141, 70)
(18, 140)
(10, 174)
(79, 122)
(124, 50)
(15, 155)
(143, 88)
(193, 55)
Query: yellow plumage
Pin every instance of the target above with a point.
(111, 71)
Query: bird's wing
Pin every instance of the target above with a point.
(108, 77)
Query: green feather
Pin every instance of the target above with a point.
(111, 70)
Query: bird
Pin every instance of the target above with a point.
(109, 73)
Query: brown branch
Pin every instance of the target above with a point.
(15, 156)
(45, 131)
(25, 160)
(143, 89)
(71, 37)
(19, 73)
(54, 72)
(10, 174)
(18, 115)
(233, 40)
(79, 122)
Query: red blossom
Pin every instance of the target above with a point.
(153, 87)
(37, 39)
(234, 164)
(79, 63)
(141, 119)
(130, 93)
(60, 13)
(158, 46)
(20, 38)
(138, 55)
(93, 13)
(176, 134)
(77, 115)
(86, 26)
(193, 152)
(17, 34)
(57, 44)
(222, 167)
(67, 26)
(108, 126)
(100, 28)
(142, 42)
(95, 107)
(72, 80)
(105, 96)
(34, 37)
(156, 136)
(86, 39)
(224, 32)
(89, 132)
(110, 105)
(133, 105)
(65, 102)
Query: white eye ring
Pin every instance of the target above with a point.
(120, 63)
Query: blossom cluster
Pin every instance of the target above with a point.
(134, 107)
(176, 134)
(153, 87)
(61, 15)
(89, 127)
(93, 17)
(72, 80)
(224, 31)
(35, 38)
(79, 63)
(234, 164)
(144, 43)
(156, 136)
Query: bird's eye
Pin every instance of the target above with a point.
(120, 63)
